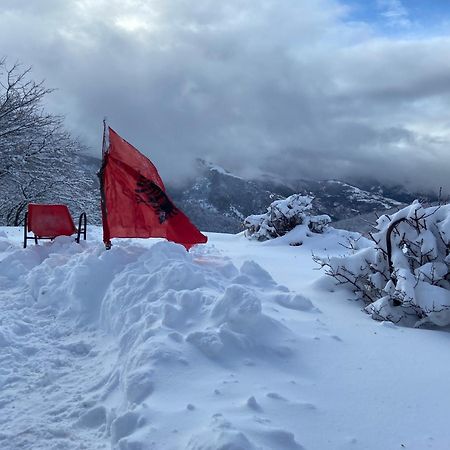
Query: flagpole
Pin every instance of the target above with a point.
(101, 175)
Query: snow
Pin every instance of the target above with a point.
(366, 197)
(235, 345)
(214, 167)
(409, 283)
(283, 216)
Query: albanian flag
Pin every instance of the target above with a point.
(134, 199)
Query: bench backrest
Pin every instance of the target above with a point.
(50, 220)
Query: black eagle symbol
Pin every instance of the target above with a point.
(151, 194)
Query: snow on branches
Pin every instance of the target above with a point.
(404, 275)
(39, 160)
(282, 216)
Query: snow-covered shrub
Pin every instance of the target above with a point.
(283, 216)
(318, 224)
(404, 276)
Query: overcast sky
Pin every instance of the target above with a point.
(301, 88)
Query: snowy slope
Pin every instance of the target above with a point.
(235, 345)
(218, 200)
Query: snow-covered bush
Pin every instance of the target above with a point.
(283, 216)
(404, 276)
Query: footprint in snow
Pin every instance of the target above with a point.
(79, 348)
(275, 396)
(296, 302)
(282, 439)
(253, 404)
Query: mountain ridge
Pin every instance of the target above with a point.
(218, 200)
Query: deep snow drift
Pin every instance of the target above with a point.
(235, 345)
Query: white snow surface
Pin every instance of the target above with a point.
(365, 196)
(236, 345)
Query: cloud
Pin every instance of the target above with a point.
(394, 12)
(287, 87)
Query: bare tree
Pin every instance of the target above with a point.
(38, 158)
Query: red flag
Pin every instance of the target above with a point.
(134, 199)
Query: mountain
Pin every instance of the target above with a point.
(398, 192)
(217, 200)
(342, 200)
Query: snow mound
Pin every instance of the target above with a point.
(166, 319)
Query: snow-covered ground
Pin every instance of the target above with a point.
(236, 345)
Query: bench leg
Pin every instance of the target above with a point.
(25, 230)
(26, 238)
(82, 227)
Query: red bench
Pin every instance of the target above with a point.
(50, 221)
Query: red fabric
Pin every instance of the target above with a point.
(50, 220)
(135, 201)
